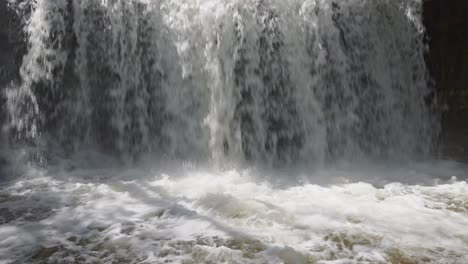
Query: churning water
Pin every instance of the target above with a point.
(226, 131)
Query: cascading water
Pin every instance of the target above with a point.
(335, 91)
(261, 81)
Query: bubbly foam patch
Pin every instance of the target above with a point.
(230, 217)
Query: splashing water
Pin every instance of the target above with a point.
(229, 217)
(287, 122)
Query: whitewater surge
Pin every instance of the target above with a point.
(228, 217)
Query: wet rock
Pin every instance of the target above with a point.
(447, 36)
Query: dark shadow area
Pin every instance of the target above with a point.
(447, 36)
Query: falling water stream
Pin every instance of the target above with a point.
(226, 131)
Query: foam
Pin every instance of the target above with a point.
(231, 217)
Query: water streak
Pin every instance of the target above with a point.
(257, 81)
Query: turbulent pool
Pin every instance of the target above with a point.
(235, 216)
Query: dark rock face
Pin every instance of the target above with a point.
(447, 35)
(447, 30)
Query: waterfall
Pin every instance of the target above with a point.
(257, 81)
(223, 131)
